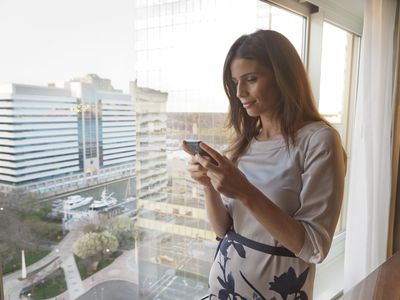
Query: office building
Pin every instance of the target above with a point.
(54, 140)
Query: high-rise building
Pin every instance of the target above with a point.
(54, 140)
(151, 163)
(107, 122)
(39, 136)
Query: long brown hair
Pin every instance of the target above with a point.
(296, 104)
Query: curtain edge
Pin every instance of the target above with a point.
(394, 230)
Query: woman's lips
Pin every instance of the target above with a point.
(248, 104)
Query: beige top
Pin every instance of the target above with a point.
(307, 182)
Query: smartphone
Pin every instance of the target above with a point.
(194, 146)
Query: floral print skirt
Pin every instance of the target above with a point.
(246, 269)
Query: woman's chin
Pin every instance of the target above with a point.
(252, 113)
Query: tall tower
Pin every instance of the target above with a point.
(151, 174)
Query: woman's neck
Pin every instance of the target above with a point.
(270, 129)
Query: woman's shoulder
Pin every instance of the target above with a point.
(318, 134)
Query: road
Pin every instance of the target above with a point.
(114, 289)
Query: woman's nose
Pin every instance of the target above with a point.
(240, 90)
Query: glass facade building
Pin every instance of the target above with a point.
(54, 140)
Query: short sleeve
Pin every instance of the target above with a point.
(322, 193)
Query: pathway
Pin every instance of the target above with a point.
(12, 283)
(123, 268)
(73, 278)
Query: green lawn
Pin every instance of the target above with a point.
(84, 269)
(31, 256)
(52, 286)
(108, 260)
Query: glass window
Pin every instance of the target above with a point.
(182, 94)
(93, 182)
(67, 150)
(337, 84)
(335, 73)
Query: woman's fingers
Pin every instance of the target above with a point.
(213, 176)
(186, 148)
(205, 162)
(195, 168)
(212, 152)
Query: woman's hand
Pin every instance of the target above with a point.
(217, 213)
(225, 177)
(197, 171)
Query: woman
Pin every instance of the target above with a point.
(282, 183)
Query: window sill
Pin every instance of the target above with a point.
(329, 276)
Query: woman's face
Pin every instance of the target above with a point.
(255, 87)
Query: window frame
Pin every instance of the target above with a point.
(330, 274)
(316, 12)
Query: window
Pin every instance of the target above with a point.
(67, 150)
(336, 90)
(179, 90)
(340, 49)
(335, 83)
(97, 160)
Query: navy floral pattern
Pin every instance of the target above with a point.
(227, 291)
(288, 283)
(285, 285)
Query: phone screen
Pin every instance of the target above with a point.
(194, 146)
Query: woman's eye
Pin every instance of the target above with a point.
(251, 79)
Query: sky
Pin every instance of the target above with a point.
(53, 41)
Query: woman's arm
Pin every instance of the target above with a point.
(285, 229)
(309, 232)
(217, 213)
(228, 180)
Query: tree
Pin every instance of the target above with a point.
(15, 219)
(19, 200)
(122, 227)
(93, 245)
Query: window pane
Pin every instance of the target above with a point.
(182, 96)
(93, 183)
(335, 74)
(67, 150)
(291, 25)
(337, 86)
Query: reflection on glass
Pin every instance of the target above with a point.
(67, 164)
(180, 50)
(77, 161)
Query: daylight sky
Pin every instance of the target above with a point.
(53, 41)
(45, 41)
